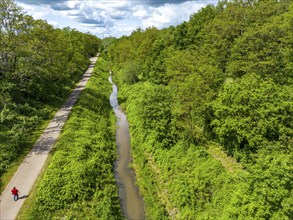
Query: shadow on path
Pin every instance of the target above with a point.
(23, 197)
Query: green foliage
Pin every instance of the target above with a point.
(79, 182)
(194, 179)
(251, 112)
(224, 76)
(154, 104)
(130, 73)
(39, 65)
(267, 193)
(264, 50)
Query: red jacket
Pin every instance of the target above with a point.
(14, 191)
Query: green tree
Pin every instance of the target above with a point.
(39, 64)
(267, 192)
(250, 112)
(265, 50)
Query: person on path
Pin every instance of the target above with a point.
(15, 192)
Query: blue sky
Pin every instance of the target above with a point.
(112, 17)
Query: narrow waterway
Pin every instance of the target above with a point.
(131, 201)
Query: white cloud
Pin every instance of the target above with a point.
(72, 4)
(160, 16)
(140, 12)
(118, 17)
(170, 14)
(38, 12)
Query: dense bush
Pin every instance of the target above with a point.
(224, 78)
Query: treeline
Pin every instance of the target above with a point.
(39, 64)
(222, 79)
(79, 183)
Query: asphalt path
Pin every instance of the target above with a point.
(29, 170)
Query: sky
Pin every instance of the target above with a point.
(114, 18)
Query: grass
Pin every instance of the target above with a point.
(26, 212)
(229, 163)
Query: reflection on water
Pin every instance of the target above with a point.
(131, 201)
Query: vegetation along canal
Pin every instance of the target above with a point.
(131, 201)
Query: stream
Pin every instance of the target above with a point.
(131, 201)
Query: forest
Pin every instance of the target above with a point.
(209, 104)
(39, 65)
(210, 107)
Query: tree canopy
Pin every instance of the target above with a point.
(39, 64)
(222, 80)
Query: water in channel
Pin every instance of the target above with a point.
(131, 201)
